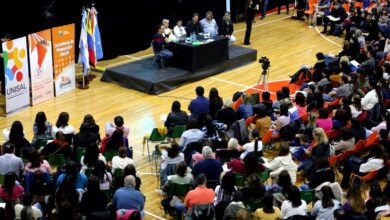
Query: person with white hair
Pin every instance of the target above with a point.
(168, 34)
(209, 25)
(128, 197)
(227, 115)
(198, 157)
(211, 167)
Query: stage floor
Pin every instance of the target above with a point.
(145, 76)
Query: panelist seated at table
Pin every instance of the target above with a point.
(227, 28)
(209, 25)
(193, 26)
(179, 31)
(158, 44)
(168, 33)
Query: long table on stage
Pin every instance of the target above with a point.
(194, 57)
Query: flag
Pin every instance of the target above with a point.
(91, 39)
(83, 45)
(96, 32)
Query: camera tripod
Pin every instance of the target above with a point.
(264, 77)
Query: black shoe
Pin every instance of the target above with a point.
(323, 32)
(247, 43)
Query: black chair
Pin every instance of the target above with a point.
(225, 155)
(158, 58)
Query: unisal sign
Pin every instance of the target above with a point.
(17, 82)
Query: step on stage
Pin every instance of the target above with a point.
(145, 76)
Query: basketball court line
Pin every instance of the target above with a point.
(261, 24)
(229, 82)
(153, 215)
(326, 38)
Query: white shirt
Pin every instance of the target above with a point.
(168, 35)
(189, 136)
(165, 160)
(84, 167)
(120, 163)
(66, 130)
(18, 209)
(371, 165)
(250, 147)
(322, 213)
(179, 32)
(369, 100)
(354, 111)
(281, 163)
(287, 210)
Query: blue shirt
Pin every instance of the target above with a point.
(128, 198)
(81, 181)
(245, 111)
(198, 106)
(210, 167)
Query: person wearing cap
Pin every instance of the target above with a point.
(9, 162)
(4, 38)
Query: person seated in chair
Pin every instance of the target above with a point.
(227, 28)
(168, 33)
(193, 26)
(337, 12)
(179, 31)
(158, 45)
(209, 25)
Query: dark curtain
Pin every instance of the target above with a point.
(125, 26)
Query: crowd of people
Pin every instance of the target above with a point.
(339, 111)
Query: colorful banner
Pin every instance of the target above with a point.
(17, 83)
(41, 66)
(64, 57)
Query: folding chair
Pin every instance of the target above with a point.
(370, 176)
(178, 130)
(372, 139)
(155, 136)
(240, 179)
(157, 57)
(179, 190)
(333, 161)
(110, 153)
(56, 160)
(254, 204)
(307, 195)
(79, 153)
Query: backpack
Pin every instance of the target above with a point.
(201, 212)
(132, 214)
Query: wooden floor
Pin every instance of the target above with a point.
(286, 42)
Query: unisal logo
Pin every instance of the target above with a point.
(65, 81)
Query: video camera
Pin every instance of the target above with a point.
(265, 63)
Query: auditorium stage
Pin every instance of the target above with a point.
(144, 75)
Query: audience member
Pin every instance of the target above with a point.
(200, 105)
(42, 129)
(128, 197)
(9, 162)
(175, 117)
(121, 161)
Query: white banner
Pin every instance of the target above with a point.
(16, 75)
(41, 66)
(64, 58)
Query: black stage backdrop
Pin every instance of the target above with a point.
(126, 26)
